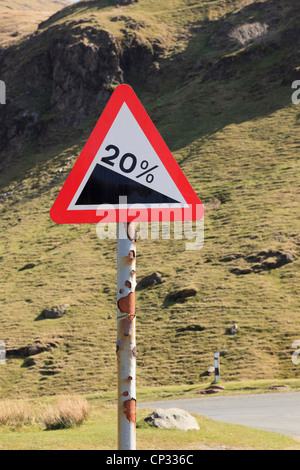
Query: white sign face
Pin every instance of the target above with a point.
(127, 152)
(126, 171)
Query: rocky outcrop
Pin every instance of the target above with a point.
(67, 75)
(258, 262)
(33, 349)
(82, 72)
(270, 259)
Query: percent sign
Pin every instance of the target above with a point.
(128, 163)
(144, 166)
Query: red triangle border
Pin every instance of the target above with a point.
(60, 213)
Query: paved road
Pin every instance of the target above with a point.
(276, 412)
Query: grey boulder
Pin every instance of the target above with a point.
(172, 418)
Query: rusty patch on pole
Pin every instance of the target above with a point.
(127, 304)
(128, 284)
(128, 260)
(130, 411)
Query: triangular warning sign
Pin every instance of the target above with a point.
(125, 172)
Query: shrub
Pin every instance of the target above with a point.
(15, 414)
(248, 32)
(66, 413)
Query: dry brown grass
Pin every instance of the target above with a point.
(66, 413)
(15, 414)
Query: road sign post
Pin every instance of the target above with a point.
(126, 174)
(126, 342)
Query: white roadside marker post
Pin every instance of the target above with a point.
(217, 356)
(217, 366)
(2, 352)
(126, 341)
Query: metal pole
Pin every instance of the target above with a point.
(126, 342)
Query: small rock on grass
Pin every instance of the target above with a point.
(55, 312)
(149, 281)
(172, 418)
(181, 295)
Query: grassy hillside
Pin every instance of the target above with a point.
(37, 5)
(21, 17)
(224, 109)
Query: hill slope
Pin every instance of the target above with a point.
(21, 17)
(221, 97)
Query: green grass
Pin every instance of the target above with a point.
(233, 143)
(99, 432)
(74, 267)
